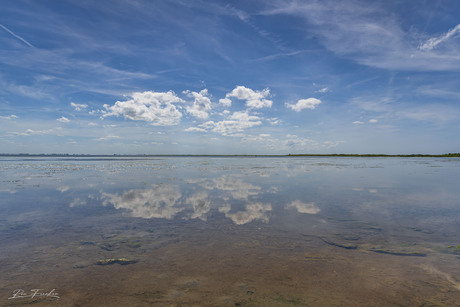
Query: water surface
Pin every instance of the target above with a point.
(213, 231)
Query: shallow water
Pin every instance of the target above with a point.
(214, 231)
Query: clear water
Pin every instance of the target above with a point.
(213, 231)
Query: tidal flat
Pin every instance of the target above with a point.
(229, 231)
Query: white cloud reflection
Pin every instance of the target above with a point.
(63, 189)
(237, 199)
(302, 207)
(77, 202)
(201, 205)
(234, 187)
(254, 211)
(157, 202)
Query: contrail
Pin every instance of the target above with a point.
(17, 36)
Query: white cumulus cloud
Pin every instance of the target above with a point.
(226, 102)
(309, 103)
(201, 105)
(254, 99)
(155, 107)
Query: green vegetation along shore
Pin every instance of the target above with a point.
(374, 155)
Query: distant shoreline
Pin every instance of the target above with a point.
(449, 155)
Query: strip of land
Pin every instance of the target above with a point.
(448, 155)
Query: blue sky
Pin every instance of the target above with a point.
(236, 77)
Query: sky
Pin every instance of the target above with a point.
(229, 77)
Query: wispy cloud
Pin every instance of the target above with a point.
(34, 91)
(246, 18)
(234, 124)
(274, 121)
(30, 132)
(435, 113)
(195, 129)
(373, 104)
(369, 34)
(9, 117)
(435, 41)
(295, 142)
(109, 137)
(323, 90)
(277, 56)
(63, 119)
(17, 36)
(78, 106)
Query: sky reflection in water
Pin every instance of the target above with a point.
(242, 190)
(392, 206)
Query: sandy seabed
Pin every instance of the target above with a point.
(216, 265)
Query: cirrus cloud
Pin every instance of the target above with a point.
(435, 41)
(371, 35)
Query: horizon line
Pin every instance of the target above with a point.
(232, 155)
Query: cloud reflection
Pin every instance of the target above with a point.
(302, 207)
(254, 211)
(234, 187)
(238, 200)
(157, 202)
(201, 205)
